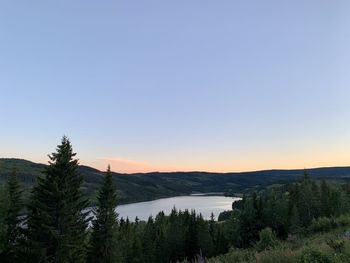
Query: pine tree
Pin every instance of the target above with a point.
(205, 239)
(248, 230)
(136, 248)
(191, 237)
(56, 222)
(3, 212)
(12, 219)
(160, 239)
(103, 245)
(148, 241)
(294, 221)
(221, 243)
(326, 205)
(125, 240)
(212, 226)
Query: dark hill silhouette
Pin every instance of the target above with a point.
(148, 186)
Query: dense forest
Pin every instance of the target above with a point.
(271, 225)
(140, 187)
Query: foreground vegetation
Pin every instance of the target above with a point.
(330, 246)
(301, 222)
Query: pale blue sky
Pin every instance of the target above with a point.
(177, 85)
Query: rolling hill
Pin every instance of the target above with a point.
(149, 186)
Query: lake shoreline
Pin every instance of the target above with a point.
(203, 203)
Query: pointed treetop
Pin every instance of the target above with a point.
(212, 217)
(306, 175)
(13, 185)
(64, 152)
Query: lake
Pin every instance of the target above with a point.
(203, 204)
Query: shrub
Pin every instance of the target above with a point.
(343, 220)
(310, 255)
(325, 223)
(337, 245)
(236, 256)
(267, 239)
(340, 258)
(322, 224)
(274, 256)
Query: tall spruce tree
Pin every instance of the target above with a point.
(103, 247)
(12, 219)
(56, 221)
(3, 212)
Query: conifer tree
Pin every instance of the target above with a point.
(221, 243)
(125, 240)
(3, 213)
(248, 230)
(205, 239)
(136, 249)
(326, 205)
(212, 226)
(294, 221)
(12, 218)
(56, 222)
(160, 239)
(103, 246)
(191, 237)
(149, 241)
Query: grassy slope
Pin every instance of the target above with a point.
(292, 250)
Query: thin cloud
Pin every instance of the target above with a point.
(129, 166)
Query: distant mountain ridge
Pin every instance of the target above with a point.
(148, 186)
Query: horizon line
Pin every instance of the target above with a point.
(189, 171)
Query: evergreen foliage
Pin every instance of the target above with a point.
(56, 223)
(56, 229)
(104, 229)
(181, 235)
(286, 211)
(3, 213)
(12, 220)
(267, 239)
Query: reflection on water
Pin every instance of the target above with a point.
(202, 204)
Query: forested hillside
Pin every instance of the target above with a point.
(149, 186)
(277, 224)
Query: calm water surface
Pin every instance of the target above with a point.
(202, 204)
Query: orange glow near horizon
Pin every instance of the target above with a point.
(130, 166)
(122, 165)
(338, 155)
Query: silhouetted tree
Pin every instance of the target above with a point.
(12, 219)
(3, 212)
(103, 238)
(56, 223)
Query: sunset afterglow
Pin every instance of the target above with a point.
(181, 86)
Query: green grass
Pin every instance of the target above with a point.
(315, 248)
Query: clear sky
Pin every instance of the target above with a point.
(166, 85)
